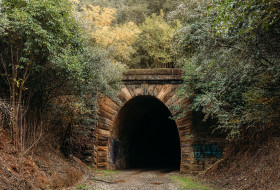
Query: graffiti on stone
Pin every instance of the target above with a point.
(117, 153)
(206, 151)
(115, 150)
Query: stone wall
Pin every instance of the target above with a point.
(163, 85)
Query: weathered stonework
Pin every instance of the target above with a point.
(160, 83)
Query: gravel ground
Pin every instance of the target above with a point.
(130, 180)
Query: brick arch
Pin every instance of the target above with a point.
(109, 108)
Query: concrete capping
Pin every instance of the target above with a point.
(165, 71)
(153, 76)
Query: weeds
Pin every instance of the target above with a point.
(189, 183)
(106, 172)
(82, 186)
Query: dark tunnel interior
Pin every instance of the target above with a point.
(147, 135)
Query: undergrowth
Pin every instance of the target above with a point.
(82, 186)
(189, 183)
(106, 172)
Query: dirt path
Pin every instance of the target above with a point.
(130, 180)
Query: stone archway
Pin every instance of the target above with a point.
(162, 84)
(145, 136)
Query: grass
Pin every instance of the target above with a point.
(106, 172)
(82, 186)
(189, 183)
(104, 175)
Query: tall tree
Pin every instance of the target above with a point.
(45, 54)
(231, 64)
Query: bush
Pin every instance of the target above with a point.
(46, 56)
(232, 68)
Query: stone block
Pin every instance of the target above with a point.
(102, 143)
(133, 89)
(102, 138)
(104, 126)
(102, 148)
(197, 167)
(171, 101)
(183, 121)
(185, 168)
(185, 140)
(185, 161)
(157, 89)
(151, 89)
(170, 91)
(102, 159)
(185, 156)
(103, 166)
(105, 114)
(107, 108)
(160, 71)
(104, 132)
(111, 103)
(184, 133)
(194, 172)
(103, 120)
(185, 149)
(182, 127)
(185, 144)
(124, 95)
(164, 91)
(102, 154)
(145, 89)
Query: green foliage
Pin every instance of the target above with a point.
(232, 69)
(246, 15)
(39, 35)
(82, 186)
(137, 11)
(3, 21)
(102, 74)
(117, 39)
(122, 37)
(156, 41)
(105, 173)
(45, 39)
(49, 64)
(189, 183)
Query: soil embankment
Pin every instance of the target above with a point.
(45, 167)
(256, 167)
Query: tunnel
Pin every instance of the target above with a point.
(147, 135)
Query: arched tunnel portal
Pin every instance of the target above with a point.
(134, 129)
(145, 136)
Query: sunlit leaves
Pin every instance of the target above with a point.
(156, 39)
(117, 39)
(98, 16)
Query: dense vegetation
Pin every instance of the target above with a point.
(231, 62)
(49, 64)
(57, 56)
(228, 49)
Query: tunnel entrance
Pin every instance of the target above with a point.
(147, 137)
